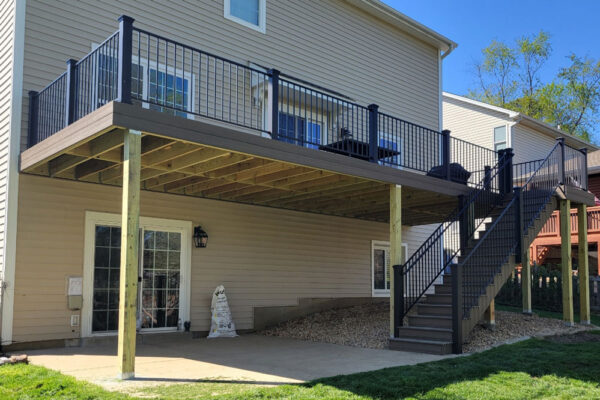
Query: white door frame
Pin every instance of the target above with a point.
(92, 219)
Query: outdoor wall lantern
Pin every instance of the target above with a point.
(200, 237)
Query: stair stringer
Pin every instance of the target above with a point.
(476, 313)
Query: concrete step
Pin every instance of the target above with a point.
(434, 309)
(438, 298)
(430, 321)
(424, 332)
(421, 346)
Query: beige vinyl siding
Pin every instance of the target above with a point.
(472, 123)
(530, 144)
(329, 43)
(7, 26)
(263, 256)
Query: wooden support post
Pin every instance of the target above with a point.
(583, 265)
(395, 247)
(129, 253)
(526, 279)
(566, 262)
(489, 317)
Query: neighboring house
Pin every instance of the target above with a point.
(498, 128)
(304, 138)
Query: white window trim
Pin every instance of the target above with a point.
(377, 244)
(97, 218)
(262, 16)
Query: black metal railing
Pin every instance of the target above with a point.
(139, 67)
(47, 110)
(450, 239)
(172, 77)
(575, 166)
(96, 78)
(477, 269)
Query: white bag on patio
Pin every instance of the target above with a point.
(221, 324)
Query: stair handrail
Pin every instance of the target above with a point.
(486, 191)
(521, 211)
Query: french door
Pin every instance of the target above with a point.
(163, 266)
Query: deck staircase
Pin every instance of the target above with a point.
(480, 243)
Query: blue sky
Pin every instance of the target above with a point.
(574, 26)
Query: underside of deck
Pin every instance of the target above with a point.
(203, 159)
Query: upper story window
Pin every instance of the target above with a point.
(250, 13)
(500, 141)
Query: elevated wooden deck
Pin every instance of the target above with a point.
(207, 159)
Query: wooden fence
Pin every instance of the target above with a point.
(546, 291)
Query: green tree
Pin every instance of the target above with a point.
(509, 76)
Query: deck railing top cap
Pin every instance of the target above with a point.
(126, 18)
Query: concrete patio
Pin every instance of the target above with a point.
(262, 360)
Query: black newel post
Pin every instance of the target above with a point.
(398, 299)
(457, 308)
(487, 173)
(518, 223)
(373, 133)
(32, 134)
(70, 93)
(561, 167)
(125, 54)
(273, 107)
(446, 154)
(584, 184)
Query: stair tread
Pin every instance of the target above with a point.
(423, 341)
(431, 316)
(427, 328)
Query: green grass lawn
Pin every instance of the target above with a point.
(595, 319)
(526, 370)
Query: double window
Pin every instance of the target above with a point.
(250, 13)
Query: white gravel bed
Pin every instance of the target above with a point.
(368, 326)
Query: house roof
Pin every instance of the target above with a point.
(404, 22)
(525, 120)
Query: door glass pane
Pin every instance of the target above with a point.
(313, 135)
(378, 269)
(160, 279)
(107, 254)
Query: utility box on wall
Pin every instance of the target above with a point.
(75, 293)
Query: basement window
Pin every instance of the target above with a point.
(380, 267)
(250, 13)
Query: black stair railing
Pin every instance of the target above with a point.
(438, 252)
(503, 238)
